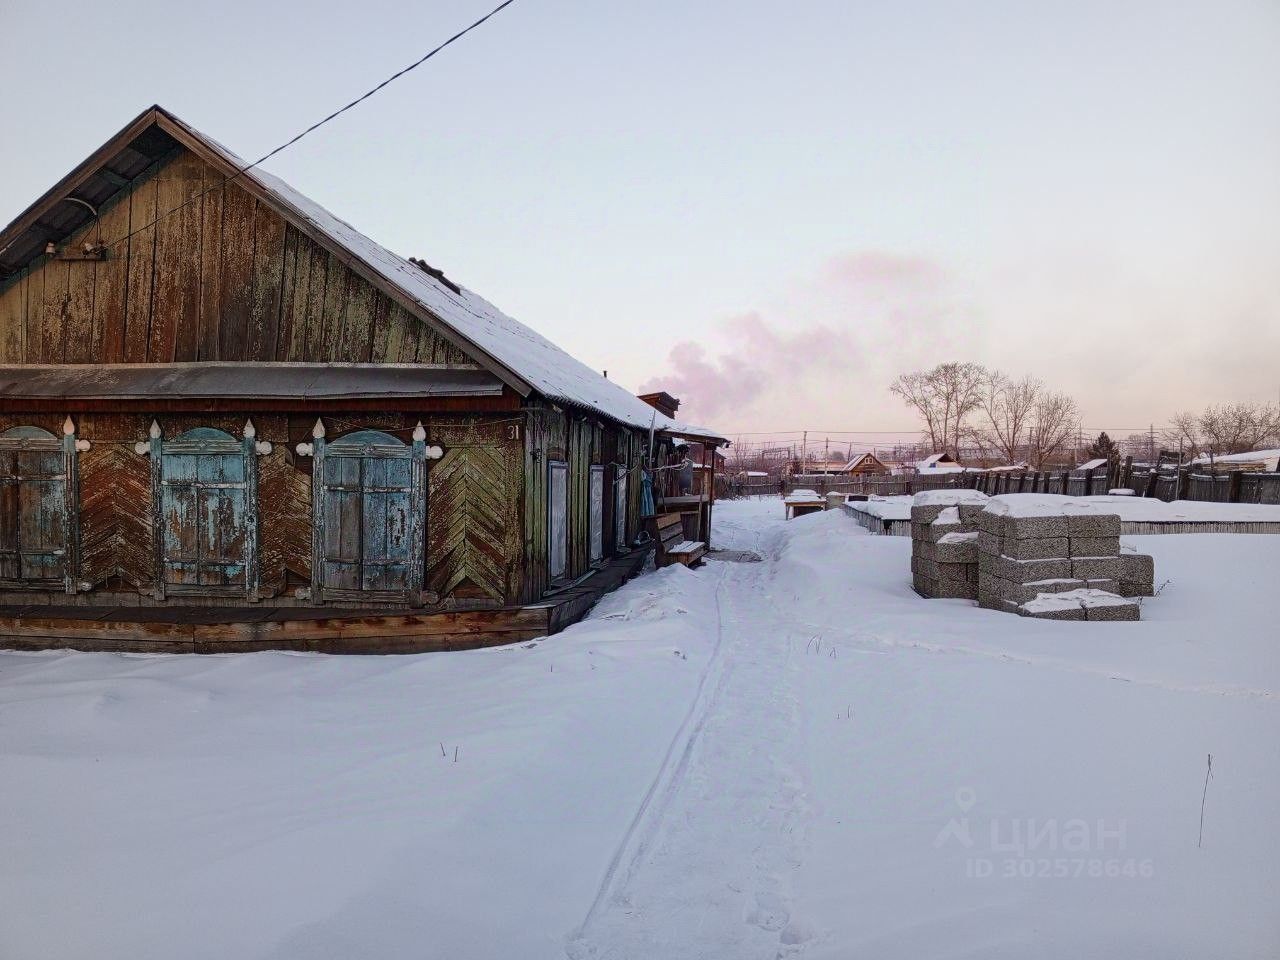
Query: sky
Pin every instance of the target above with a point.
(768, 209)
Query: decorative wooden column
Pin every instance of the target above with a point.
(315, 450)
(71, 512)
(253, 449)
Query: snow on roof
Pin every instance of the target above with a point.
(1093, 464)
(530, 356)
(859, 458)
(940, 463)
(1271, 457)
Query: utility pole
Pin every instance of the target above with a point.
(804, 452)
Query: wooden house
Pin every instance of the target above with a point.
(864, 463)
(230, 421)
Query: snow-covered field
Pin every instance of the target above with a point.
(797, 757)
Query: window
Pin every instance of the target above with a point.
(596, 498)
(620, 508)
(370, 507)
(557, 518)
(204, 486)
(36, 511)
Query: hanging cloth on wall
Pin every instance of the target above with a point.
(646, 494)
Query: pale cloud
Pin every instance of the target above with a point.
(825, 351)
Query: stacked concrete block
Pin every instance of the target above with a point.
(944, 543)
(1052, 558)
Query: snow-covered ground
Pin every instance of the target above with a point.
(1129, 509)
(797, 757)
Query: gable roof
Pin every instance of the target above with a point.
(860, 458)
(522, 358)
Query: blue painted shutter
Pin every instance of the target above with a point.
(204, 512)
(33, 507)
(373, 513)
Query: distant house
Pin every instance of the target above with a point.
(864, 463)
(939, 463)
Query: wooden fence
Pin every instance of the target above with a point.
(1167, 484)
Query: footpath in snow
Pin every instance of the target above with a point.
(796, 757)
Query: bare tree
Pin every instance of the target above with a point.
(943, 397)
(1054, 422)
(1007, 409)
(1230, 428)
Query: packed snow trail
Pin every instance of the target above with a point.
(706, 869)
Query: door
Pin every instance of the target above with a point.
(204, 515)
(33, 508)
(557, 518)
(371, 512)
(596, 500)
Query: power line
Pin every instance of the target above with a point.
(320, 123)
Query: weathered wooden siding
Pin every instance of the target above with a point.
(474, 551)
(284, 496)
(555, 435)
(474, 510)
(209, 274)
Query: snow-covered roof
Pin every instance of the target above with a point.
(1270, 457)
(497, 341)
(939, 463)
(853, 463)
(1093, 464)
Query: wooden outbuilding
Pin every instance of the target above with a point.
(230, 421)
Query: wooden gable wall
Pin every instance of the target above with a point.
(218, 276)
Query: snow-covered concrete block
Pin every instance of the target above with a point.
(1024, 571)
(1023, 592)
(1112, 607)
(1096, 568)
(1048, 548)
(1037, 528)
(957, 548)
(926, 512)
(949, 498)
(1137, 575)
(1095, 546)
(1043, 608)
(1094, 525)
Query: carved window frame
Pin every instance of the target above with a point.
(200, 442)
(32, 439)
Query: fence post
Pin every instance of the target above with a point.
(1152, 477)
(1183, 483)
(1126, 475)
(1233, 486)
